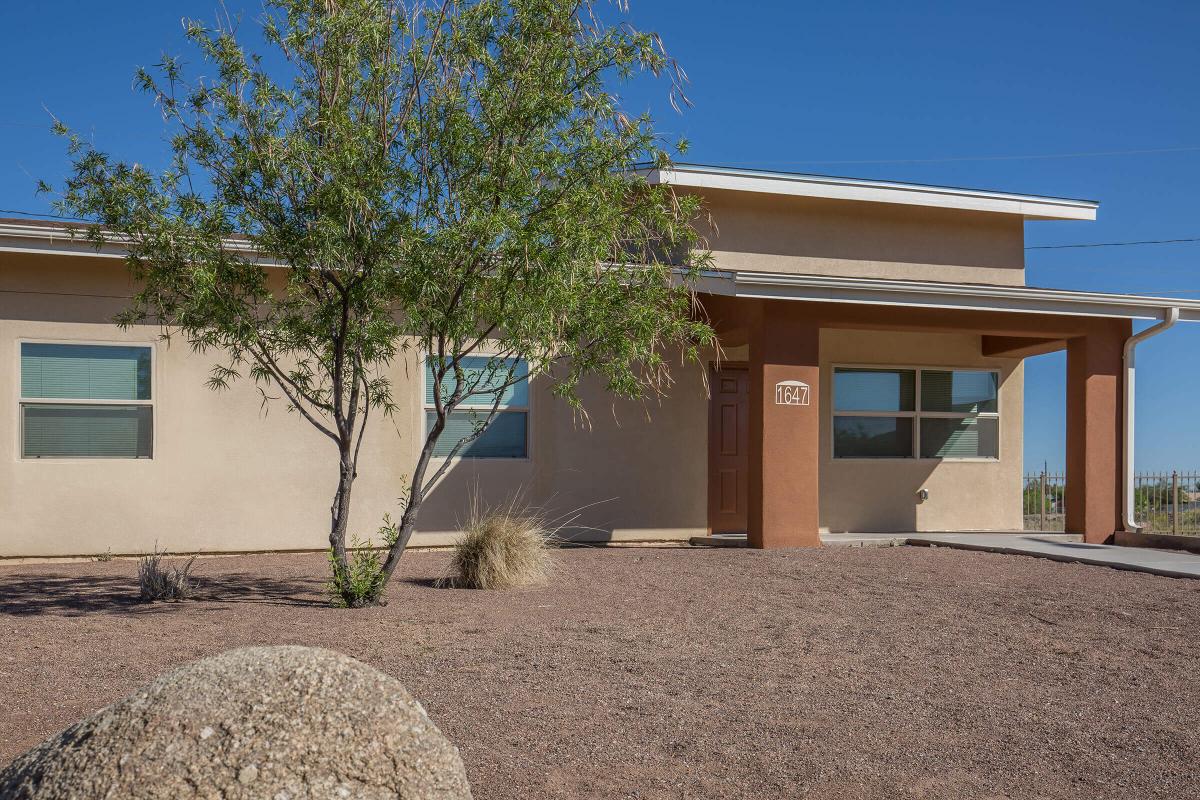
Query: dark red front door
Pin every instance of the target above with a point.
(728, 460)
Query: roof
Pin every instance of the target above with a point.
(934, 294)
(18, 235)
(1028, 206)
(52, 236)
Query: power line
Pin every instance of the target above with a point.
(1091, 154)
(42, 215)
(1038, 156)
(1109, 244)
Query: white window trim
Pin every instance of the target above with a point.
(22, 401)
(916, 414)
(527, 408)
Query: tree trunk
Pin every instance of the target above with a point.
(339, 521)
(416, 496)
(404, 532)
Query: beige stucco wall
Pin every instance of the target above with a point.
(862, 495)
(227, 473)
(621, 471)
(231, 475)
(761, 232)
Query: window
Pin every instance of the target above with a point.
(86, 401)
(508, 434)
(912, 412)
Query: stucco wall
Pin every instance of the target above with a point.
(863, 495)
(761, 232)
(229, 474)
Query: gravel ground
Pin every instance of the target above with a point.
(681, 673)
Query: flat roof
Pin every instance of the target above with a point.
(830, 187)
(66, 237)
(54, 237)
(935, 294)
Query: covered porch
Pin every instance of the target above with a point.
(778, 322)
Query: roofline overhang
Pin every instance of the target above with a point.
(934, 295)
(1034, 207)
(53, 238)
(42, 238)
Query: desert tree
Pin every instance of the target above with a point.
(539, 239)
(457, 178)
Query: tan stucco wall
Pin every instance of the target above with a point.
(620, 471)
(228, 475)
(761, 232)
(633, 470)
(863, 495)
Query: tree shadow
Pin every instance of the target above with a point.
(28, 594)
(423, 581)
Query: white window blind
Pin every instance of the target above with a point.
(86, 401)
(916, 412)
(508, 434)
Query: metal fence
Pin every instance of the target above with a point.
(1044, 500)
(1163, 502)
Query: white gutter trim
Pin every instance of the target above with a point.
(977, 297)
(855, 189)
(1130, 359)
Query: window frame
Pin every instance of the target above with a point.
(527, 409)
(916, 414)
(21, 401)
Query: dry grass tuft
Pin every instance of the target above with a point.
(502, 550)
(160, 581)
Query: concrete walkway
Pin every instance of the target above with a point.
(1170, 563)
(1066, 547)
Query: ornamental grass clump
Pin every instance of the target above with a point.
(161, 581)
(501, 550)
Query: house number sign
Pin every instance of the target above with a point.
(791, 393)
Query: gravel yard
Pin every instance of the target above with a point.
(687, 673)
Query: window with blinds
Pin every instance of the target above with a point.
(86, 401)
(507, 436)
(915, 412)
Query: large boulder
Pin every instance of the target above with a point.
(281, 723)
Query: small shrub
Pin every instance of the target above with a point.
(160, 581)
(501, 550)
(362, 582)
(105, 556)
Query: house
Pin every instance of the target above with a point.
(871, 380)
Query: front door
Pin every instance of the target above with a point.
(728, 440)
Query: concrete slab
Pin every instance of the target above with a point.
(1169, 563)
(720, 540)
(896, 539)
(1067, 547)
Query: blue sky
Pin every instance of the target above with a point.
(951, 88)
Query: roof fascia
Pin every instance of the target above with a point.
(1019, 299)
(853, 189)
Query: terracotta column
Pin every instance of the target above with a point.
(1094, 409)
(784, 426)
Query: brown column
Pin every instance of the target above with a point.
(1094, 409)
(784, 426)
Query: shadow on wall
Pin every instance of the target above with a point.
(875, 496)
(639, 470)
